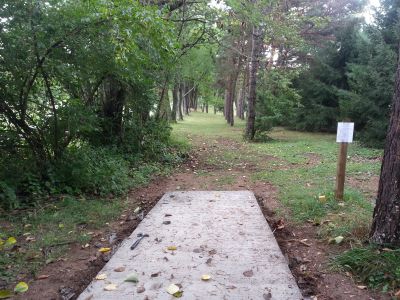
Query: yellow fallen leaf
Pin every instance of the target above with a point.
(172, 248)
(4, 294)
(101, 276)
(172, 289)
(21, 287)
(205, 277)
(322, 198)
(61, 225)
(10, 241)
(104, 250)
(110, 287)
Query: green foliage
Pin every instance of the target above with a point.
(99, 171)
(276, 99)
(376, 267)
(351, 78)
(78, 88)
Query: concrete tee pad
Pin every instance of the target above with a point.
(221, 234)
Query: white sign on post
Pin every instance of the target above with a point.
(345, 132)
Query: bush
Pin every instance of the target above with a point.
(92, 170)
(8, 198)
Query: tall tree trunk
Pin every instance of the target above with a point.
(180, 104)
(242, 95)
(256, 48)
(186, 98)
(386, 221)
(175, 102)
(226, 104)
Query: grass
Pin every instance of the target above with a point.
(44, 233)
(308, 172)
(376, 267)
(303, 167)
(208, 125)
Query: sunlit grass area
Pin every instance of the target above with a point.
(303, 166)
(208, 125)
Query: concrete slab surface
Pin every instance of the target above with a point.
(221, 234)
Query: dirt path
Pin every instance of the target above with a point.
(207, 169)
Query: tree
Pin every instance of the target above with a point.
(256, 48)
(386, 219)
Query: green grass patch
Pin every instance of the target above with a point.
(377, 268)
(303, 167)
(208, 125)
(43, 233)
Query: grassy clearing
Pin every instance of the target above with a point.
(308, 172)
(208, 125)
(303, 167)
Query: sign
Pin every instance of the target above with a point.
(345, 132)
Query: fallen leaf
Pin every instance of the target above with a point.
(280, 224)
(110, 287)
(205, 277)
(322, 198)
(61, 225)
(40, 277)
(338, 239)
(212, 252)
(21, 287)
(104, 250)
(10, 242)
(132, 278)
(155, 274)
(248, 273)
(172, 289)
(119, 269)
(387, 250)
(136, 209)
(178, 294)
(5, 294)
(172, 248)
(362, 287)
(101, 276)
(30, 239)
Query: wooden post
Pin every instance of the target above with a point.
(341, 171)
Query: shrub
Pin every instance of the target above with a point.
(98, 171)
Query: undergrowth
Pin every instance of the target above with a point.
(378, 268)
